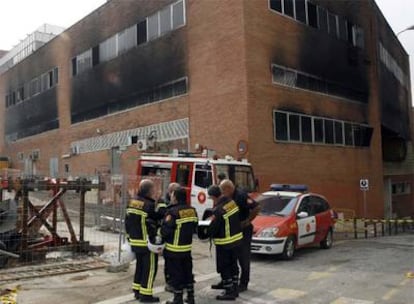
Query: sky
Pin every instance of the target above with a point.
(21, 17)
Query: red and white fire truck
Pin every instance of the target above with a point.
(196, 174)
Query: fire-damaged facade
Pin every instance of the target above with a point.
(313, 92)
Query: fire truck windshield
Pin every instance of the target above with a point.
(242, 176)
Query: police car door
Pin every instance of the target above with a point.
(202, 179)
(306, 222)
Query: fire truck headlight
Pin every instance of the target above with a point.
(268, 232)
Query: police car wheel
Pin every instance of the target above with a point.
(289, 249)
(327, 241)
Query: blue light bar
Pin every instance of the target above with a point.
(287, 187)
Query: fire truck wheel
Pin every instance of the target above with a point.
(3, 258)
(289, 249)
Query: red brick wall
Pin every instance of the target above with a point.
(329, 170)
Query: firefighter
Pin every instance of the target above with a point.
(225, 229)
(141, 227)
(248, 211)
(163, 210)
(177, 229)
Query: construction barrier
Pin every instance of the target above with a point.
(373, 227)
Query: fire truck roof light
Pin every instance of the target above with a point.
(287, 187)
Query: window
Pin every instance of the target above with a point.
(312, 15)
(178, 14)
(142, 32)
(74, 67)
(329, 131)
(50, 79)
(276, 5)
(84, 61)
(165, 20)
(127, 39)
(203, 178)
(153, 31)
(323, 19)
(183, 175)
(95, 55)
(288, 7)
(281, 126)
(300, 7)
(333, 29)
(349, 134)
(318, 130)
(362, 135)
(319, 205)
(399, 188)
(343, 29)
(298, 79)
(358, 37)
(45, 82)
(294, 127)
(339, 137)
(55, 76)
(306, 127)
(108, 49)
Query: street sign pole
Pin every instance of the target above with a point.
(365, 203)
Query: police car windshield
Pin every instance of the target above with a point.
(276, 205)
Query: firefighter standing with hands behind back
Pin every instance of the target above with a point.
(140, 226)
(177, 229)
(225, 229)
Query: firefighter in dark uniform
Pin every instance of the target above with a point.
(225, 230)
(140, 226)
(177, 229)
(162, 209)
(248, 211)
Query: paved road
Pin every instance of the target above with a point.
(353, 271)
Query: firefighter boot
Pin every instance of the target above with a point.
(229, 293)
(219, 285)
(190, 294)
(178, 298)
(236, 285)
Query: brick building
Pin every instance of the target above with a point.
(317, 92)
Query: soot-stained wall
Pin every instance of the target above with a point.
(120, 81)
(116, 84)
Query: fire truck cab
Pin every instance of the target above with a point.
(196, 174)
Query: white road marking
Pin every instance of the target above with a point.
(287, 294)
(343, 300)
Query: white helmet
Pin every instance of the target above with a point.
(157, 246)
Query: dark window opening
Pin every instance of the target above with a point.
(288, 7)
(95, 55)
(318, 130)
(66, 168)
(306, 126)
(312, 15)
(142, 32)
(362, 136)
(300, 6)
(74, 67)
(332, 25)
(339, 139)
(348, 135)
(350, 32)
(276, 5)
(183, 175)
(134, 139)
(329, 131)
(203, 179)
(281, 126)
(294, 127)
(323, 19)
(51, 79)
(56, 75)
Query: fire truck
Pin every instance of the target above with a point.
(196, 174)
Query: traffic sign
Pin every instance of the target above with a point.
(364, 184)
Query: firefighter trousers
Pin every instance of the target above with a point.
(226, 260)
(180, 271)
(145, 272)
(244, 255)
